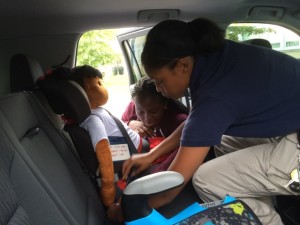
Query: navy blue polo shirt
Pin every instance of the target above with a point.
(244, 91)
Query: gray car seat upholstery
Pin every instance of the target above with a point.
(11, 212)
(25, 71)
(43, 181)
(67, 98)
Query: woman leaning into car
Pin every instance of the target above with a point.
(237, 90)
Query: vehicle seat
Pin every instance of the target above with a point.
(41, 180)
(259, 42)
(68, 99)
(25, 70)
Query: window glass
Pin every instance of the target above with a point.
(134, 47)
(101, 49)
(281, 39)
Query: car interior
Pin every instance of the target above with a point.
(44, 178)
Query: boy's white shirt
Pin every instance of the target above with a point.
(100, 125)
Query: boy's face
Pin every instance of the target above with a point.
(95, 91)
(149, 110)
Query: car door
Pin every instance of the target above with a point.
(132, 44)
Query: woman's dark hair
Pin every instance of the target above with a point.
(173, 39)
(78, 73)
(145, 87)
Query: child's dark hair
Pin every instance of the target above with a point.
(173, 39)
(145, 87)
(79, 73)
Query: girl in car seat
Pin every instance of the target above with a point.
(154, 117)
(237, 90)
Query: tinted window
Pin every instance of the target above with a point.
(281, 39)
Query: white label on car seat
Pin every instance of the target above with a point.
(119, 152)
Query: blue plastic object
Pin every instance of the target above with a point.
(137, 211)
(155, 218)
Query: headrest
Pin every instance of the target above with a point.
(259, 42)
(24, 72)
(66, 98)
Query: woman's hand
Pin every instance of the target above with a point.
(138, 162)
(141, 128)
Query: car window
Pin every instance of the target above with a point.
(281, 39)
(134, 47)
(122, 66)
(132, 44)
(100, 49)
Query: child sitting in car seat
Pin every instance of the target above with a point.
(154, 117)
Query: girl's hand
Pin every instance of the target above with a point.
(141, 128)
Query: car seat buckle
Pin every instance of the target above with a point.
(32, 132)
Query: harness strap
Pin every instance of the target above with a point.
(132, 148)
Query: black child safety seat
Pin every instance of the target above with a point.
(67, 98)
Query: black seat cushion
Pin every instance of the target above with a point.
(84, 146)
(66, 98)
(259, 42)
